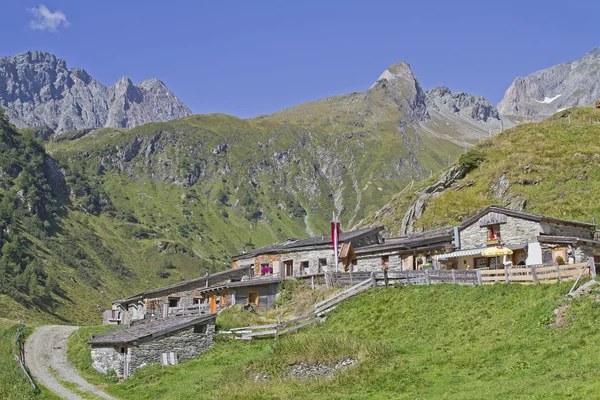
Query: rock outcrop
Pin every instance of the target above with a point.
(543, 93)
(37, 89)
(464, 104)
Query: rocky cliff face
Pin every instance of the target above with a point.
(37, 89)
(543, 93)
(465, 105)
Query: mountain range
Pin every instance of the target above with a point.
(152, 203)
(37, 89)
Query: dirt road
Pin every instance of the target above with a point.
(46, 358)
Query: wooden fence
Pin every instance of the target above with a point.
(536, 274)
(19, 354)
(416, 277)
(312, 317)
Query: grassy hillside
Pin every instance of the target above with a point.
(13, 384)
(425, 342)
(550, 168)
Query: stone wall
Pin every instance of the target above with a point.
(372, 262)
(106, 358)
(515, 230)
(185, 343)
(132, 311)
(312, 256)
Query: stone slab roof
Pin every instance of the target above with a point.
(154, 328)
(564, 239)
(217, 277)
(523, 215)
(436, 238)
(256, 282)
(310, 243)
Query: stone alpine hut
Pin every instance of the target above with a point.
(166, 341)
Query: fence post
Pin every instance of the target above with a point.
(558, 272)
(312, 282)
(373, 280)
(506, 273)
(534, 274)
(479, 280)
(453, 277)
(592, 267)
(427, 280)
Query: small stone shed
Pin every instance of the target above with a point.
(167, 341)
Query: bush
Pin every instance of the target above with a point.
(111, 376)
(471, 160)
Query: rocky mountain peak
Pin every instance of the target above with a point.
(398, 71)
(37, 89)
(399, 85)
(465, 104)
(543, 93)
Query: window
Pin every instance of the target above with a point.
(253, 298)
(122, 350)
(322, 265)
(195, 301)
(304, 269)
(174, 302)
(493, 232)
(266, 269)
(201, 328)
(385, 260)
(289, 268)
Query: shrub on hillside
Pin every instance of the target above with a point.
(471, 160)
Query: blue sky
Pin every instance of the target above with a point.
(256, 57)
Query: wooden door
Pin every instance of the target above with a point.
(223, 303)
(213, 303)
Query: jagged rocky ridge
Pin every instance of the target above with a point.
(543, 93)
(37, 89)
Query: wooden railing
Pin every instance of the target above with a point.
(413, 277)
(536, 274)
(19, 354)
(320, 309)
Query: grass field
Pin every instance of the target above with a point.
(13, 384)
(427, 342)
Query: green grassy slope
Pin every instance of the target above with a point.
(13, 384)
(426, 342)
(551, 168)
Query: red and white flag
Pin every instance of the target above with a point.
(335, 239)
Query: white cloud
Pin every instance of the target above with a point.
(45, 20)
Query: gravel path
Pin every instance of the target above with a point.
(47, 348)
